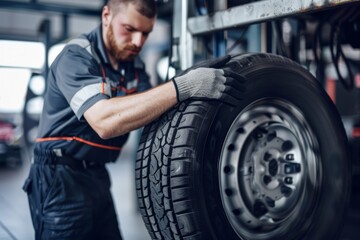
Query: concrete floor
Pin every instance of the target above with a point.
(15, 222)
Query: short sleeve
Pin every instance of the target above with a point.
(78, 77)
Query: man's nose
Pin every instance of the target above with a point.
(137, 39)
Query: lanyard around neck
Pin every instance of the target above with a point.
(122, 83)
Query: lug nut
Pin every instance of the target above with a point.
(285, 190)
(290, 157)
(288, 180)
(259, 208)
(270, 202)
(267, 156)
(271, 136)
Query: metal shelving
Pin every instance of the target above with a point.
(259, 11)
(187, 28)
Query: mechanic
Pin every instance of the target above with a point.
(97, 92)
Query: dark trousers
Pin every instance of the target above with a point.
(68, 203)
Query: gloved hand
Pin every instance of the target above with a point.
(210, 83)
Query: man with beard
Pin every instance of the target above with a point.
(97, 92)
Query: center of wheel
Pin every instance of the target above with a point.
(262, 166)
(273, 167)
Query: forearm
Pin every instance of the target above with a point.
(120, 115)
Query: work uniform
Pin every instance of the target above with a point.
(68, 185)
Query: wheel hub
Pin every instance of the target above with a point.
(267, 165)
(276, 179)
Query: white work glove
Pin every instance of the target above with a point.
(210, 83)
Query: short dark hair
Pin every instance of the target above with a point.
(145, 7)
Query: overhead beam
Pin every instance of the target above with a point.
(47, 7)
(258, 11)
(164, 9)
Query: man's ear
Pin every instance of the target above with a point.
(106, 16)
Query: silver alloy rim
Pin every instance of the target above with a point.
(269, 169)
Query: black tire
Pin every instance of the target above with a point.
(276, 166)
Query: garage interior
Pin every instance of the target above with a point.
(321, 35)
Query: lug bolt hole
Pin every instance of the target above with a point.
(240, 130)
(236, 212)
(228, 192)
(231, 147)
(227, 169)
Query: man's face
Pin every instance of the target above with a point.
(126, 32)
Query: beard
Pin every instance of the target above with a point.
(121, 52)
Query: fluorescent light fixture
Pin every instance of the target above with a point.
(54, 52)
(22, 54)
(37, 84)
(13, 82)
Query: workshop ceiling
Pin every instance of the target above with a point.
(22, 19)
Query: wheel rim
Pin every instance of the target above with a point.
(269, 170)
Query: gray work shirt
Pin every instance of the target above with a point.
(75, 82)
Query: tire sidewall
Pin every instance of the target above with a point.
(272, 79)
